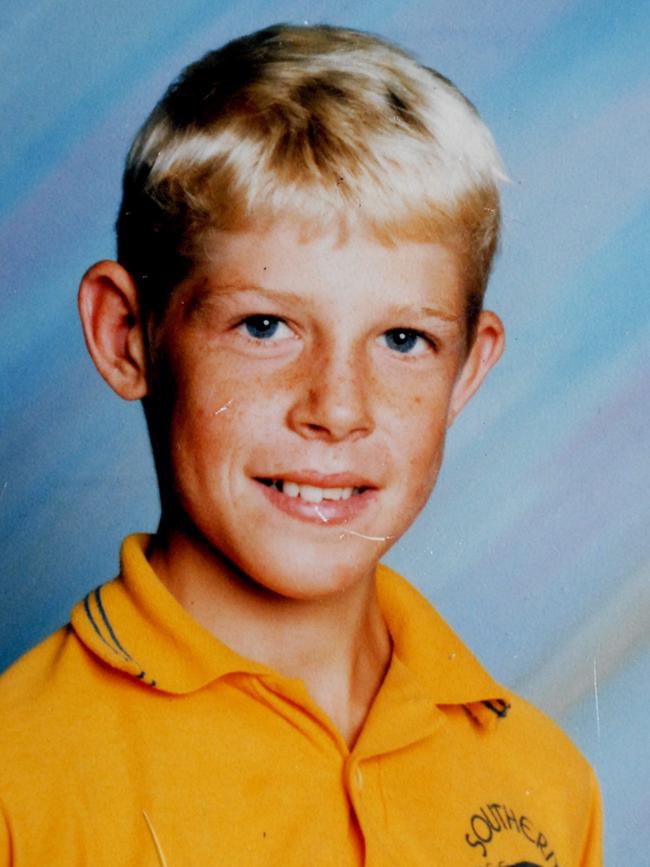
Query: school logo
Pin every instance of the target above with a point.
(496, 823)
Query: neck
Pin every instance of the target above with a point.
(338, 644)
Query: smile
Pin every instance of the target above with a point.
(312, 493)
(338, 499)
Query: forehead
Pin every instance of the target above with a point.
(350, 269)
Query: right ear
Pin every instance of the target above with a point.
(113, 329)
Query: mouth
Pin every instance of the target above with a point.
(313, 493)
(313, 497)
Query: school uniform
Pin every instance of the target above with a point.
(133, 737)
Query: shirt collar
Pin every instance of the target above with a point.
(134, 624)
(431, 650)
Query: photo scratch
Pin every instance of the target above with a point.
(224, 407)
(364, 536)
(156, 841)
(596, 700)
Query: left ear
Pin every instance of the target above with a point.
(486, 350)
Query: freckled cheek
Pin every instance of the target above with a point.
(419, 441)
(216, 415)
(205, 390)
(423, 403)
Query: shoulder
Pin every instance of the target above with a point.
(510, 728)
(43, 701)
(526, 736)
(25, 681)
(533, 788)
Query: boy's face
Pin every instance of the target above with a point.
(307, 387)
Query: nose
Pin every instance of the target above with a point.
(332, 399)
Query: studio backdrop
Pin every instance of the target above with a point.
(536, 543)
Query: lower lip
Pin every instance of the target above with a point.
(326, 512)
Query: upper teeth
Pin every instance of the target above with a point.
(312, 494)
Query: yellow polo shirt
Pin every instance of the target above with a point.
(134, 738)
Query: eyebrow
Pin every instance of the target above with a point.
(207, 288)
(433, 312)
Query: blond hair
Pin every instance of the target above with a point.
(335, 126)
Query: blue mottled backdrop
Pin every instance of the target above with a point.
(536, 544)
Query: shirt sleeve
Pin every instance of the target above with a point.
(5, 840)
(592, 854)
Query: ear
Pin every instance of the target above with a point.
(486, 350)
(112, 326)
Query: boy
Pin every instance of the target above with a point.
(305, 237)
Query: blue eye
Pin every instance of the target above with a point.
(404, 340)
(261, 326)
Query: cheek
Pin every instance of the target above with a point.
(422, 437)
(426, 458)
(216, 416)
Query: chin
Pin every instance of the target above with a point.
(302, 575)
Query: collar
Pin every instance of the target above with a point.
(135, 625)
(432, 651)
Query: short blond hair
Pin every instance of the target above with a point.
(337, 127)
